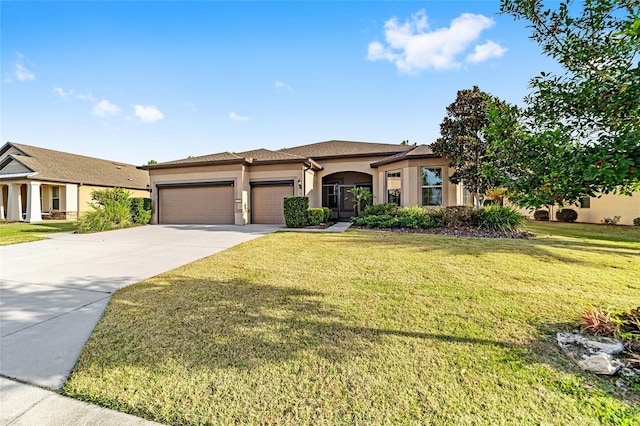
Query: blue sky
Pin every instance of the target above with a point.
(135, 81)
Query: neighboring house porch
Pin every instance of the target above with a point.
(38, 183)
(33, 201)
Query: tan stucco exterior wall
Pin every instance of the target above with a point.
(337, 165)
(411, 175)
(241, 175)
(606, 206)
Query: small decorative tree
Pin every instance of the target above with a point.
(361, 197)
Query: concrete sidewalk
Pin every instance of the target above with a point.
(27, 405)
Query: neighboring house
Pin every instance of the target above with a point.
(596, 209)
(38, 182)
(248, 187)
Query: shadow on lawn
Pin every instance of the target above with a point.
(176, 325)
(538, 248)
(238, 324)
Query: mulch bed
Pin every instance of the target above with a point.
(458, 231)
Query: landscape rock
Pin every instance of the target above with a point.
(601, 363)
(592, 353)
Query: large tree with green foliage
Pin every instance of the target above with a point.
(580, 131)
(463, 143)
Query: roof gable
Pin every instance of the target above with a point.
(420, 151)
(58, 166)
(10, 165)
(339, 148)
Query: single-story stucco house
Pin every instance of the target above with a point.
(248, 187)
(38, 182)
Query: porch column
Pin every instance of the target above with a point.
(14, 202)
(1, 203)
(34, 212)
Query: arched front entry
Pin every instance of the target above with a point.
(335, 193)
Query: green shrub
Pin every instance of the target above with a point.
(499, 218)
(111, 210)
(328, 214)
(413, 211)
(295, 211)
(390, 209)
(377, 221)
(461, 216)
(611, 220)
(315, 216)
(140, 209)
(636, 221)
(435, 218)
(567, 215)
(542, 215)
(408, 221)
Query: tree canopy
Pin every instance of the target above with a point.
(579, 133)
(463, 143)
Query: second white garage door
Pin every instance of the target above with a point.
(266, 203)
(197, 205)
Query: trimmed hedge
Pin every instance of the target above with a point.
(636, 221)
(328, 214)
(541, 215)
(404, 217)
(567, 215)
(295, 211)
(140, 209)
(315, 216)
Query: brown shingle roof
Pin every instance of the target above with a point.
(267, 155)
(420, 151)
(58, 166)
(336, 148)
(256, 156)
(218, 158)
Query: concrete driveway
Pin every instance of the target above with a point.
(53, 292)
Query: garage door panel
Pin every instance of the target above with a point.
(197, 205)
(267, 203)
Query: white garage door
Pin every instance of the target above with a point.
(196, 205)
(266, 203)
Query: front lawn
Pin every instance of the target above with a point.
(364, 327)
(20, 232)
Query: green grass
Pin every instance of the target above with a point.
(585, 230)
(17, 232)
(364, 327)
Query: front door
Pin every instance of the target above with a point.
(340, 200)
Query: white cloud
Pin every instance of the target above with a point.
(20, 71)
(281, 85)
(484, 52)
(87, 97)
(62, 93)
(414, 46)
(237, 117)
(105, 108)
(148, 114)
